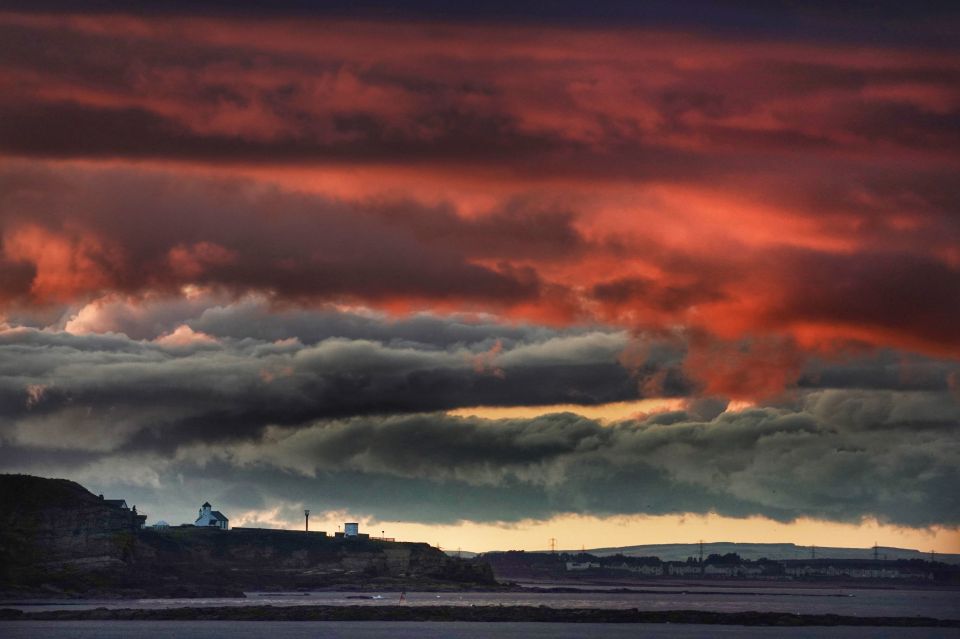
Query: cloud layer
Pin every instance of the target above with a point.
(303, 400)
(262, 251)
(103, 391)
(642, 177)
(837, 456)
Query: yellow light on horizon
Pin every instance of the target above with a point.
(606, 413)
(589, 531)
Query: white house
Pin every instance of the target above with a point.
(721, 570)
(648, 570)
(214, 518)
(683, 569)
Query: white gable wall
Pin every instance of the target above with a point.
(206, 518)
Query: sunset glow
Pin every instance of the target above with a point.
(486, 280)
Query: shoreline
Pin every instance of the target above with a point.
(470, 614)
(687, 586)
(752, 587)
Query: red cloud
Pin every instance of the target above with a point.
(775, 196)
(66, 266)
(749, 369)
(192, 261)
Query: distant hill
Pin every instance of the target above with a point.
(679, 552)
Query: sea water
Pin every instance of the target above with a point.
(432, 630)
(862, 602)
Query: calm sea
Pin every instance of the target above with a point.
(853, 602)
(434, 630)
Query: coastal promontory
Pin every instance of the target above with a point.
(59, 539)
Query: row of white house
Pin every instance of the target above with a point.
(207, 517)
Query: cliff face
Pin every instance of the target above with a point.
(260, 559)
(53, 524)
(55, 536)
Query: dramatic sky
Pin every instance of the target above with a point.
(481, 276)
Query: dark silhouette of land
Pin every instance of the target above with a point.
(58, 539)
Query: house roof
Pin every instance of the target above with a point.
(206, 504)
(122, 503)
(216, 514)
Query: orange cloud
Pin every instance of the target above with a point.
(183, 336)
(67, 266)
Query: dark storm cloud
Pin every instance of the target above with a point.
(855, 21)
(853, 367)
(326, 408)
(109, 392)
(240, 368)
(883, 369)
(254, 319)
(838, 456)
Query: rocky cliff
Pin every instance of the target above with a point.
(52, 524)
(58, 538)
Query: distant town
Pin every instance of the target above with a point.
(587, 567)
(209, 518)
